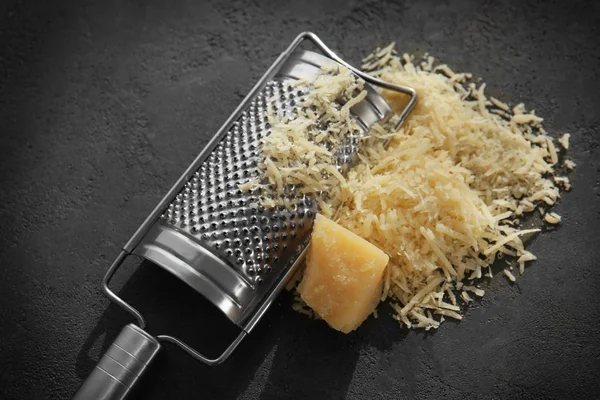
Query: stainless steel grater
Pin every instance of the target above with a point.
(220, 240)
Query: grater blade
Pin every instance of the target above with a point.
(221, 241)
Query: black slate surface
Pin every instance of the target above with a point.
(104, 103)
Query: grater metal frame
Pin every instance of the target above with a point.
(134, 345)
(155, 214)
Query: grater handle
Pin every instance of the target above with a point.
(121, 366)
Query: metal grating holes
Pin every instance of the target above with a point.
(212, 209)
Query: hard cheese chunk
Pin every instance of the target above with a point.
(342, 280)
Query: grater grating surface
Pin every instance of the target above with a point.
(212, 209)
(222, 241)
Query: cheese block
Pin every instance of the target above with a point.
(342, 280)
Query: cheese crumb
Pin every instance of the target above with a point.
(509, 275)
(552, 218)
(564, 141)
(570, 164)
(563, 181)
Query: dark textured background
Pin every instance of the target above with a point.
(104, 103)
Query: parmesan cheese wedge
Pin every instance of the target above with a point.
(342, 282)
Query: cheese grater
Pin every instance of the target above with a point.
(221, 241)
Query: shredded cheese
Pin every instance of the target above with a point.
(299, 152)
(443, 198)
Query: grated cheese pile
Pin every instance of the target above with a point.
(444, 199)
